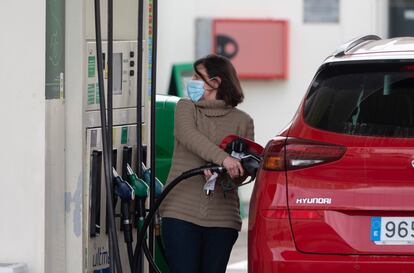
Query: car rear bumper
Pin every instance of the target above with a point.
(272, 250)
(305, 263)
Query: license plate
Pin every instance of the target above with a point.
(392, 230)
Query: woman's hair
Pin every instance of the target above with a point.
(229, 89)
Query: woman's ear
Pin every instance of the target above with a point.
(215, 82)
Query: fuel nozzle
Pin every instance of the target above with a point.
(141, 191)
(146, 174)
(139, 186)
(122, 188)
(126, 193)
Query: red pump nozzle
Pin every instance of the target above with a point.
(247, 151)
(230, 142)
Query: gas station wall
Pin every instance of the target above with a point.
(22, 138)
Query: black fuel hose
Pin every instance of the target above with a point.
(165, 192)
(110, 74)
(140, 26)
(139, 154)
(153, 118)
(115, 263)
(127, 224)
(150, 258)
(130, 250)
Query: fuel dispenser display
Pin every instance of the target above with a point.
(124, 71)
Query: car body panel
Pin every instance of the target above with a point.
(318, 218)
(375, 177)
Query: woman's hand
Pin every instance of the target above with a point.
(233, 167)
(208, 174)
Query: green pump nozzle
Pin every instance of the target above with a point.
(141, 192)
(139, 185)
(146, 174)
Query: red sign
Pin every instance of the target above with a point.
(257, 48)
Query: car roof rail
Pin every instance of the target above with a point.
(343, 49)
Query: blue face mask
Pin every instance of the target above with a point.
(195, 89)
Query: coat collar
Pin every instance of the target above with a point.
(213, 108)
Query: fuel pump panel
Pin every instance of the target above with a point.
(124, 136)
(97, 243)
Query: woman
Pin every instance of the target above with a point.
(199, 229)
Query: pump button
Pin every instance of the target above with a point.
(131, 63)
(131, 54)
(131, 73)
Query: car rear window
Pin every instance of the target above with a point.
(369, 99)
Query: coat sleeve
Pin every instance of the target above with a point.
(250, 129)
(187, 134)
(249, 135)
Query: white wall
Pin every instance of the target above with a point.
(74, 134)
(22, 138)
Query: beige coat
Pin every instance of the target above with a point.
(199, 128)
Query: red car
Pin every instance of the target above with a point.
(335, 191)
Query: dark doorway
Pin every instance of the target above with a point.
(401, 18)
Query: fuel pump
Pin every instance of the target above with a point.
(137, 187)
(106, 127)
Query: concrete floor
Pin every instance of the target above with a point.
(238, 257)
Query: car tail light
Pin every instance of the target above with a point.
(289, 154)
(274, 155)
